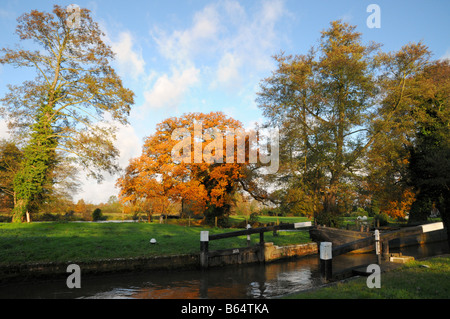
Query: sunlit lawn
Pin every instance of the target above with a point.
(52, 241)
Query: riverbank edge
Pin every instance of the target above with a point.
(54, 270)
(391, 266)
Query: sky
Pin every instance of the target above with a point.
(202, 56)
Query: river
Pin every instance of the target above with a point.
(253, 281)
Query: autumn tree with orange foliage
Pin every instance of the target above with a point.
(187, 159)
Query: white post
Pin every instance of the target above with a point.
(377, 245)
(432, 227)
(204, 241)
(303, 224)
(248, 236)
(326, 260)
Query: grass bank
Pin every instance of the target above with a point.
(86, 242)
(427, 279)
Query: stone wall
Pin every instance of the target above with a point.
(59, 269)
(273, 252)
(218, 258)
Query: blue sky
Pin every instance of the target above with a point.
(202, 56)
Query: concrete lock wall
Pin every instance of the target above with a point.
(273, 252)
(422, 239)
(59, 269)
(270, 253)
(246, 255)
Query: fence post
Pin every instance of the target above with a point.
(261, 247)
(377, 246)
(204, 242)
(248, 236)
(326, 260)
(385, 248)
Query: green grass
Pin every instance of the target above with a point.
(61, 242)
(411, 281)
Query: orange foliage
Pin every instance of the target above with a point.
(399, 208)
(170, 170)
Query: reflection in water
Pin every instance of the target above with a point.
(232, 282)
(235, 282)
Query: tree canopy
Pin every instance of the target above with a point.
(358, 127)
(187, 159)
(71, 106)
(340, 108)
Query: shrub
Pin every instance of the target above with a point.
(46, 217)
(253, 218)
(359, 212)
(382, 218)
(97, 215)
(328, 219)
(69, 216)
(276, 211)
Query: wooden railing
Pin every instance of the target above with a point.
(385, 238)
(205, 238)
(327, 252)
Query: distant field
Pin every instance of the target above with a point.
(53, 241)
(269, 219)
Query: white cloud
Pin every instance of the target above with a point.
(446, 56)
(169, 91)
(346, 17)
(182, 45)
(130, 146)
(238, 42)
(3, 129)
(130, 61)
(256, 38)
(228, 71)
(128, 143)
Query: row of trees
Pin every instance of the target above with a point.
(359, 124)
(358, 127)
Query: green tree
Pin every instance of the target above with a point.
(113, 205)
(10, 158)
(395, 127)
(429, 163)
(346, 112)
(34, 179)
(97, 215)
(321, 102)
(64, 110)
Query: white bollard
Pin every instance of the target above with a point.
(204, 242)
(326, 260)
(377, 245)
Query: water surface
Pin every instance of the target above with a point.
(252, 281)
